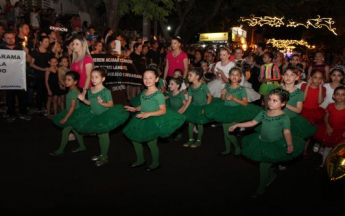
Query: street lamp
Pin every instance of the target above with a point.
(168, 28)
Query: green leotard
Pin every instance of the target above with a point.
(199, 94)
(150, 103)
(72, 95)
(96, 108)
(295, 97)
(238, 93)
(272, 126)
(176, 101)
(160, 83)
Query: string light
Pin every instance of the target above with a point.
(285, 45)
(318, 22)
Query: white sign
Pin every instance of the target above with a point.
(12, 69)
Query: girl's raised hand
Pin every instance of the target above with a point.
(129, 108)
(232, 128)
(229, 97)
(289, 149)
(309, 81)
(100, 100)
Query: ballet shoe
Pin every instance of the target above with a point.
(137, 165)
(148, 169)
(55, 154)
(101, 162)
(78, 150)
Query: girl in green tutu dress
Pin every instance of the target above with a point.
(151, 121)
(198, 97)
(274, 143)
(269, 77)
(102, 116)
(176, 100)
(66, 117)
(233, 107)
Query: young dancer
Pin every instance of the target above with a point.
(151, 121)
(332, 131)
(232, 108)
(63, 69)
(103, 116)
(320, 65)
(274, 143)
(269, 77)
(314, 94)
(198, 96)
(66, 117)
(336, 75)
(52, 85)
(176, 100)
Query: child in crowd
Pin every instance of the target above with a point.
(332, 130)
(103, 116)
(314, 94)
(52, 85)
(61, 73)
(198, 97)
(274, 143)
(232, 108)
(66, 117)
(151, 121)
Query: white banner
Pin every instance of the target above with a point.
(12, 69)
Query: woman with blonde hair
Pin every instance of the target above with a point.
(82, 62)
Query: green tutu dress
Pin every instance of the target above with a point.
(270, 146)
(230, 111)
(175, 102)
(135, 102)
(194, 112)
(145, 130)
(80, 108)
(300, 126)
(99, 119)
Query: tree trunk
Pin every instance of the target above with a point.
(182, 13)
(146, 29)
(96, 20)
(112, 11)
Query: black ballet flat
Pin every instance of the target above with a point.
(148, 169)
(137, 165)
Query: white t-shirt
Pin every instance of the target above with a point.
(329, 93)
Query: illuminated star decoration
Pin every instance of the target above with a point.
(285, 44)
(318, 22)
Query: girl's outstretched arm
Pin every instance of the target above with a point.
(251, 123)
(81, 97)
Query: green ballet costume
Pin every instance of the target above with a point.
(149, 129)
(67, 126)
(194, 113)
(176, 102)
(100, 119)
(269, 146)
(230, 112)
(300, 126)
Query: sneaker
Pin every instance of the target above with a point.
(11, 119)
(316, 147)
(25, 117)
(195, 129)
